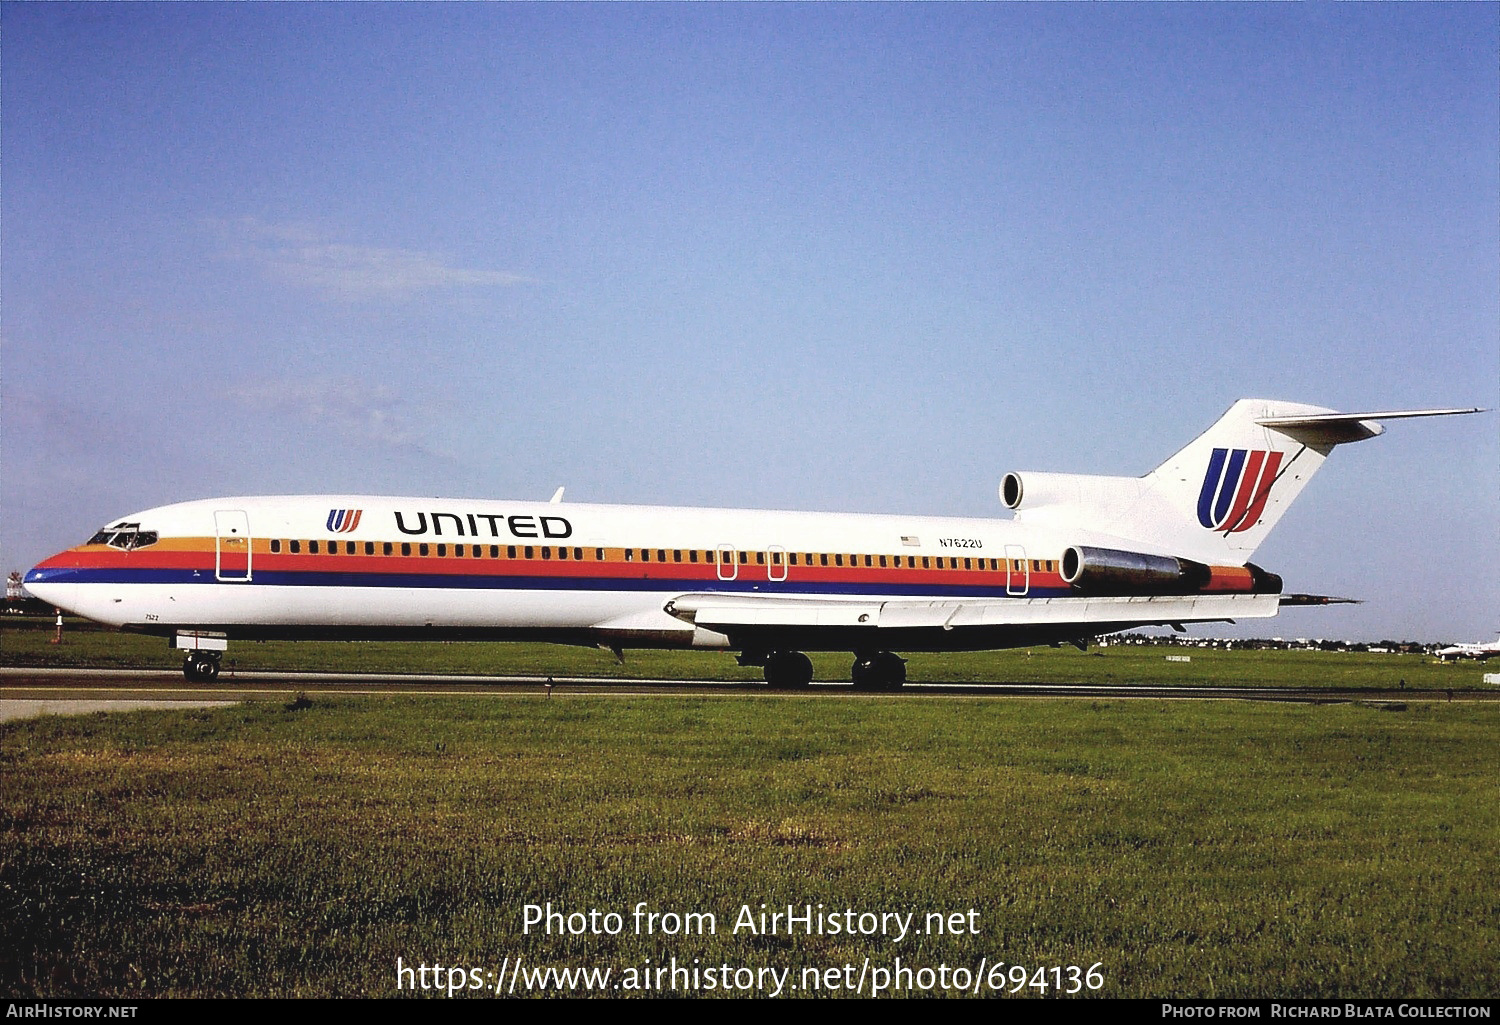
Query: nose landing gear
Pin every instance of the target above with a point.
(201, 666)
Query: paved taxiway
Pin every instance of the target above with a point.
(134, 686)
(29, 708)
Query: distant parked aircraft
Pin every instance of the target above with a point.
(1480, 652)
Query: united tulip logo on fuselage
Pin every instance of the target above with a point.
(1235, 488)
(343, 521)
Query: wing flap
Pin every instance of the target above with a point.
(717, 611)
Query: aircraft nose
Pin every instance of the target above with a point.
(41, 583)
(50, 571)
(54, 580)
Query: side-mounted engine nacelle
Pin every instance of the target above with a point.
(1105, 571)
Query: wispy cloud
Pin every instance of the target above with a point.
(355, 410)
(305, 256)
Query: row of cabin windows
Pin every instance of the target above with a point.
(674, 555)
(423, 548)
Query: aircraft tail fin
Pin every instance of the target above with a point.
(1218, 498)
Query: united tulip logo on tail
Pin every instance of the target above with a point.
(343, 521)
(1235, 488)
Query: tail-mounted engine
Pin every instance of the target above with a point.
(1081, 492)
(1110, 571)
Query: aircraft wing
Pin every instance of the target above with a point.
(742, 614)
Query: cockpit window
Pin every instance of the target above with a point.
(125, 536)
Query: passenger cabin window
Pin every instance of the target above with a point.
(275, 545)
(312, 546)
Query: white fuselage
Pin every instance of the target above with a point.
(367, 566)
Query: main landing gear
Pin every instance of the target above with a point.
(881, 670)
(201, 666)
(788, 670)
(792, 670)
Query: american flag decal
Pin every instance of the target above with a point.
(343, 521)
(910, 541)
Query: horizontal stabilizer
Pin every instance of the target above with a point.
(1341, 428)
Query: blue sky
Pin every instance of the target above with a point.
(862, 257)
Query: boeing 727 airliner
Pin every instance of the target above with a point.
(1082, 556)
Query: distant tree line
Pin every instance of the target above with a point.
(1276, 644)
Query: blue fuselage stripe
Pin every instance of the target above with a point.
(489, 582)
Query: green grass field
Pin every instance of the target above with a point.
(1190, 848)
(1112, 665)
